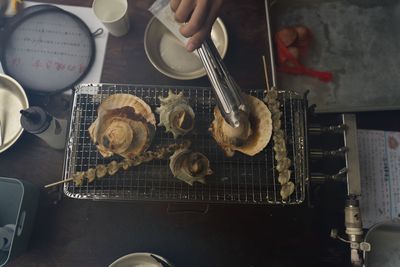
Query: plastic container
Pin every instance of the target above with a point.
(18, 204)
(36, 120)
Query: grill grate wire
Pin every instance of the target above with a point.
(240, 179)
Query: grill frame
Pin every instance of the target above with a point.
(237, 180)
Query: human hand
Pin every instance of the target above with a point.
(199, 16)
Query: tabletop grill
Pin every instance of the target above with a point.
(240, 179)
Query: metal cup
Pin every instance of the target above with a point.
(113, 14)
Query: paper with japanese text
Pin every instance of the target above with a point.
(379, 154)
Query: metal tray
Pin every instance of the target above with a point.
(240, 179)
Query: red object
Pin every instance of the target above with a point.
(289, 64)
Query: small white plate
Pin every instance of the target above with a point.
(141, 260)
(169, 56)
(12, 100)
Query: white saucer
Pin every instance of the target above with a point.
(12, 100)
(141, 260)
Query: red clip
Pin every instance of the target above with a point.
(288, 63)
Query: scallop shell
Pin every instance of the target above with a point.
(127, 100)
(249, 138)
(190, 166)
(125, 126)
(176, 115)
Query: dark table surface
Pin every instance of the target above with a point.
(88, 233)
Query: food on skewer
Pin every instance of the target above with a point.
(90, 174)
(287, 190)
(283, 163)
(125, 126)
(251, 137)
(78, 178)
(113, 167)
(190, 166)
(176, 115)
(101, 171)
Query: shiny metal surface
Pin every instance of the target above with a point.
(227, 92)
(273, 82)
(384, 239)
(352, 159)
(163, 50)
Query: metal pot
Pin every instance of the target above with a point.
(385, 245)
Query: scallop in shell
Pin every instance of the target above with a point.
(190, 166)
(125, 126)
(176, 115)
(251, 137)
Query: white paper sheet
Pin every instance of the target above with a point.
(380, 175)
(87, 15)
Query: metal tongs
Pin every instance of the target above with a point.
(227, 92)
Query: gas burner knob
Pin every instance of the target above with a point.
(317, 129)
(318, 154)
(320, 178)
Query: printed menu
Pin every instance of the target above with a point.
(379, 154)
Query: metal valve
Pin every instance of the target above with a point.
(354, 231)
(322, 178)
(320, 154)
(317, 129)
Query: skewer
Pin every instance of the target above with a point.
(161, 153)
(59, 182)
(281, 156)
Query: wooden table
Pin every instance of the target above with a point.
(87, 233)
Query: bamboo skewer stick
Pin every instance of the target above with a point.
(161, 153)
(59, 182)
(283, 162)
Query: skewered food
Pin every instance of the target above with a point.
(125, 126)
(113, 167)
(287, 190)
(78, 178)
(283, 162)
(176, 115)
(190, 166)
(101, 171)
(251, 137)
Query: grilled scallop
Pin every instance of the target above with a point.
(251, 137)
(125, 126)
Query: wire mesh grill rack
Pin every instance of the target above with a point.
(240, 179)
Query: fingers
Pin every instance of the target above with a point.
(196, 22)
(174, 4)
(197, 39)
(185, 8)
(199, 15)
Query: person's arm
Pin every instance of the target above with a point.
(199, 16)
